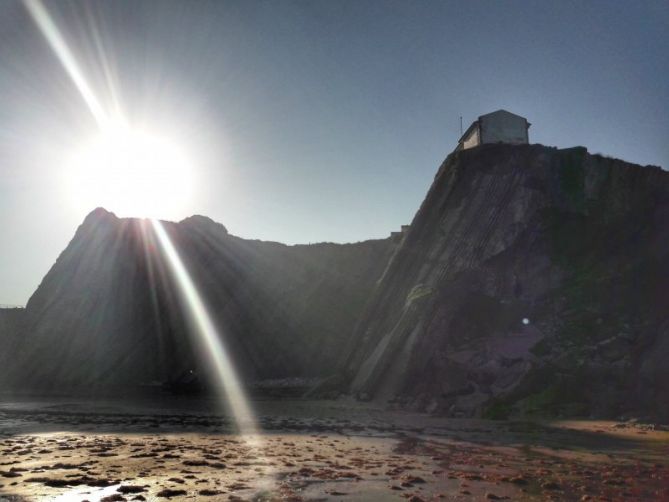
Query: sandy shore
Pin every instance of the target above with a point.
(112, 451)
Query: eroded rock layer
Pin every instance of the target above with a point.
(531, 280)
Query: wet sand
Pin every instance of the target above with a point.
(113, 451)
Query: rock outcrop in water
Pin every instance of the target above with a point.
(532, 280)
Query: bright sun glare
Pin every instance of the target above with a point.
(134, 171)
(131, 171)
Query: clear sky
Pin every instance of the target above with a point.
(315, 120)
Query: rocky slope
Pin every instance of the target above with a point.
(532, 280)
(107, 314)
(11, 323)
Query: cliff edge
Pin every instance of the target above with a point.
(532, 280)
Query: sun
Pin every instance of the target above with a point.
(131, 171)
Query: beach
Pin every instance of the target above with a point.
(72, 450)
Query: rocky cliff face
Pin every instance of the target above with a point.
(11, 323)
(531, 280)
(107, 314)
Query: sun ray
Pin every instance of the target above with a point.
(209, 335)
(116, 127)
(57, 43)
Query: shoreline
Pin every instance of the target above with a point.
(316, 450)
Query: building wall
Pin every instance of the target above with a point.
(503, 127)
(472, 140)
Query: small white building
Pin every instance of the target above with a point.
(496, 127)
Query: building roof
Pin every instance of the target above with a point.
(501, 111)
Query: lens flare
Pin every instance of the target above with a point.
(209, 335)
(193, 304)
(57, 43)
(120, 148)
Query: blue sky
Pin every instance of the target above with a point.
(317, 120)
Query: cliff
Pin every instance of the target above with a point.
(11, 324)
(107, 314)
(532, 280)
